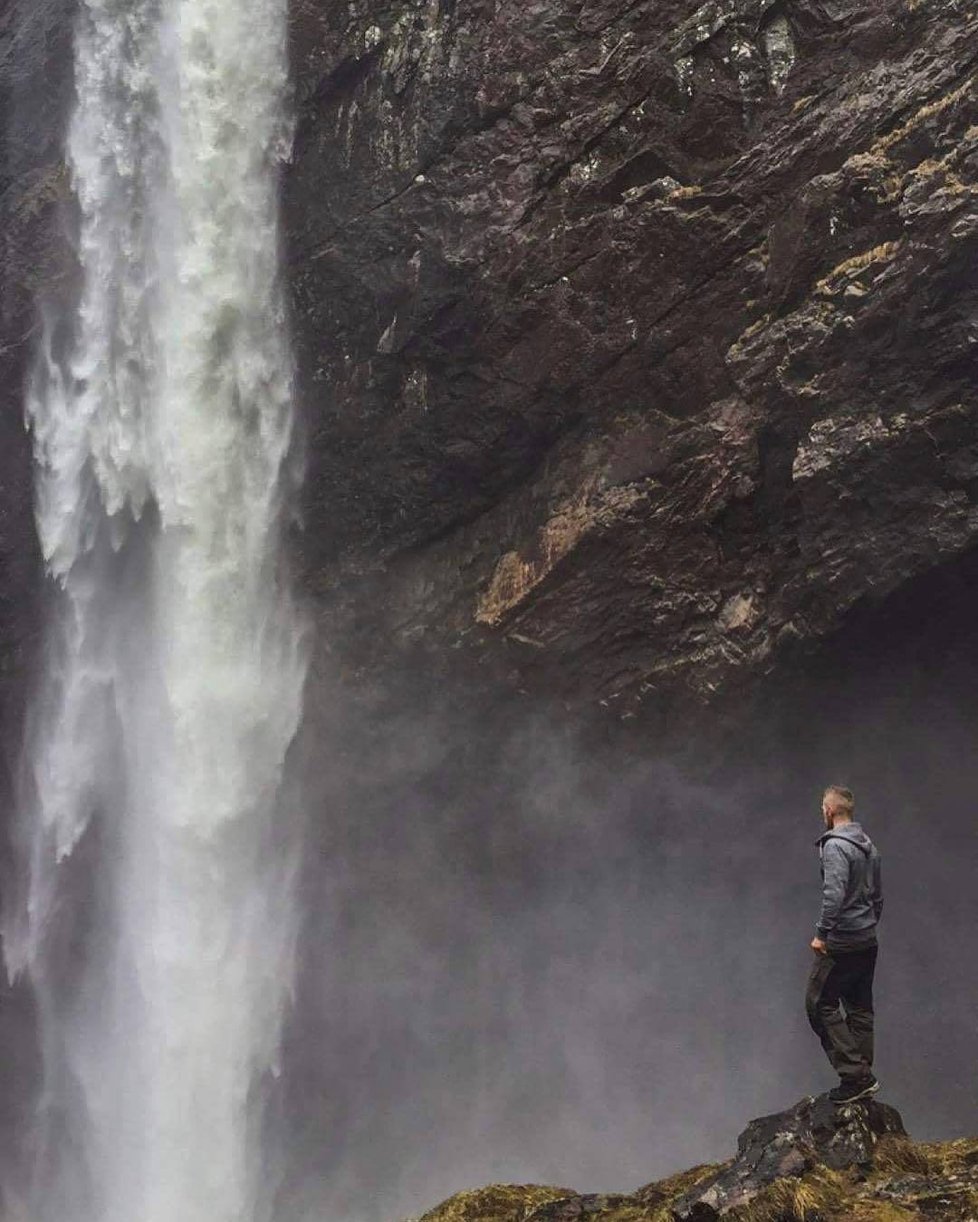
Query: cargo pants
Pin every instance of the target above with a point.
(839, 1003)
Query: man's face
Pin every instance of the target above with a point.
(827, 811)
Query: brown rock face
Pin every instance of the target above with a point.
(640, 335)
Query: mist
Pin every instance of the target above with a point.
(535, 943)
(535, 953)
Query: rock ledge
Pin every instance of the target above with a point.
(814, 1132)
(814, 1162)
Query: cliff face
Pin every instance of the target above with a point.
(34, 267)
(638, 336)
(635, 340)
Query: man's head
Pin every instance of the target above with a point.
(838, 805)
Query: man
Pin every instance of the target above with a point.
(839, 998)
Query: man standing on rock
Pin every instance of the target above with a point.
(839, 998)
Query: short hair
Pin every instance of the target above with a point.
(841, 799)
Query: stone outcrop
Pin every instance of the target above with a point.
(812, 1163)
(784, 1146)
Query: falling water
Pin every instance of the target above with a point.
(158, 928)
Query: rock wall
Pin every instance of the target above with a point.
(35, 267)
(636, 339)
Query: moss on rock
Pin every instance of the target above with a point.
(496, 1203)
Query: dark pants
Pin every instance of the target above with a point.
(844, 977)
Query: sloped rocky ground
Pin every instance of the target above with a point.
(812, 1163)
(34, 266)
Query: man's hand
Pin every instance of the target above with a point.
(819, 947)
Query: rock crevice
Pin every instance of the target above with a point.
(755, 282)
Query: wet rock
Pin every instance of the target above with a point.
(649, 341)
(498, 1202)
(35, 270)
(786, 1145)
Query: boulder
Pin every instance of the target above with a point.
(788, 1144)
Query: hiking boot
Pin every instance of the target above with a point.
(854, 1088)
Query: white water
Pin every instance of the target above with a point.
(159, 924)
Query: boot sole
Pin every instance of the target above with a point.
(869, 1090)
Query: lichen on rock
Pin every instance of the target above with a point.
(541, 234)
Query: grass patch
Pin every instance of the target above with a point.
(928, 111)
(819, 1194)
(884, 253)
(901, 1156)
(676, 1184)
(497, 1203)
(875, 1211)
(952, 1157)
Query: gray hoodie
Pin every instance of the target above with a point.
(852, 892)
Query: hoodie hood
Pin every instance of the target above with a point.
(848, 831)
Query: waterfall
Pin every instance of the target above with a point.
(158, 923)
